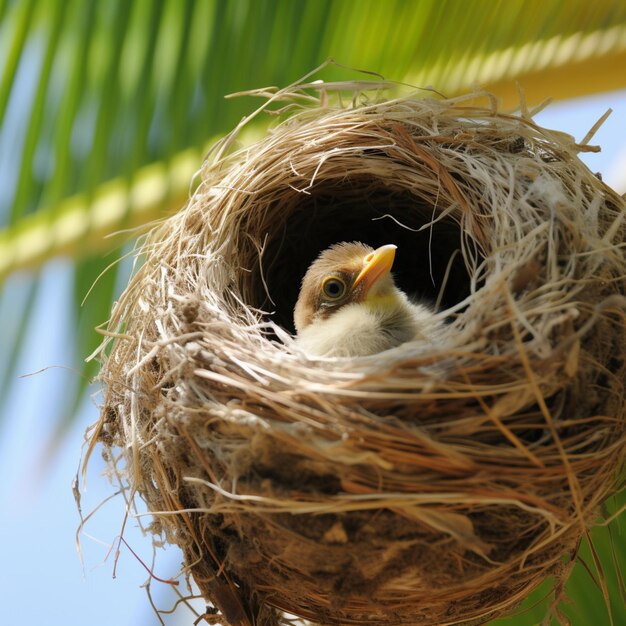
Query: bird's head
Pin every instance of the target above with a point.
(343, 274)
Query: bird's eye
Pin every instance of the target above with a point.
(333, 288)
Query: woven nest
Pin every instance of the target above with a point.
(429, 484)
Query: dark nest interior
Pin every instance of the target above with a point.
(424, 485)
(429, 265)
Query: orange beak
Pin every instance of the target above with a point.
(376, 264)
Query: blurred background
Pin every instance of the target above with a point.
(106, 109)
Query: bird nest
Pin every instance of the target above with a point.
(428, 484)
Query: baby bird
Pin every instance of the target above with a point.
(350, 306)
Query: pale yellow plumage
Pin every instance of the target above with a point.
(349, 305)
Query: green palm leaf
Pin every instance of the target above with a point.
(106, 109)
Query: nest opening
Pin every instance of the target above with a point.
(429, 265)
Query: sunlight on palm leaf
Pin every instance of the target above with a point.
(107, 109)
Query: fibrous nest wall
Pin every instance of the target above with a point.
(429, 484)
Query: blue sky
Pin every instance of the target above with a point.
(41, 577)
